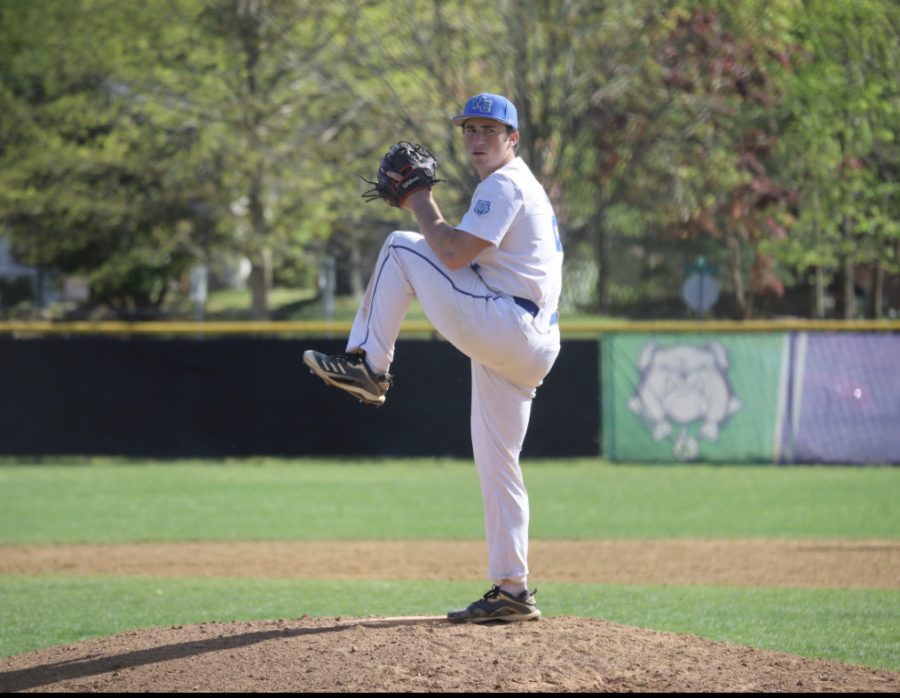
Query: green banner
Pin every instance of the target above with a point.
(693, 397)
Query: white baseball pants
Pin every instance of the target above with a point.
(511, 353)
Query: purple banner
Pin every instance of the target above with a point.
(845, 391)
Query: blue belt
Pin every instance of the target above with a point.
(532, 308)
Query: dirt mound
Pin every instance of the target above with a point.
(561, 654)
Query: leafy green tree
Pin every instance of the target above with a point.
(840, 147)
(147, 138)
(253, 78)
(87, 183)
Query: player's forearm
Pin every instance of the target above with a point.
(454, 248)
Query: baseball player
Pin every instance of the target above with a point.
(491, 286)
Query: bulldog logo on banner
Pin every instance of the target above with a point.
(681, 386)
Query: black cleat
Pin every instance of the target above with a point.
(498, 605)
(350, 373)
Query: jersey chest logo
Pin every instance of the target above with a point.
(482, 207)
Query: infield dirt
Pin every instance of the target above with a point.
(426, 654)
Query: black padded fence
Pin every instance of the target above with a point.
(238, 397)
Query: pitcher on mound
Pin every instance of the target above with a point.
(490, 285)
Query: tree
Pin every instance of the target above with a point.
(252, 77)
(89, 185)
(840, 147)
(687, 139)
(729, 86)
(207, 126)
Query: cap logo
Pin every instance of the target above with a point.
(482, 104)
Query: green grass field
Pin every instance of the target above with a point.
(106, 500)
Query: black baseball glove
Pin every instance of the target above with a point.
(414, 163)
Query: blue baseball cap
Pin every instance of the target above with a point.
(489, 106)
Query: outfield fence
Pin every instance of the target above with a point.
(656, 391)
(569, 328)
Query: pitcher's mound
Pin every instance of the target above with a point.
(424, 654)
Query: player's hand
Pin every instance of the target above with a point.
(406, 204)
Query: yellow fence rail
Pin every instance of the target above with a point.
(571, 328)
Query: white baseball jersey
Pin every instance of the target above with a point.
(510, 209)
(501, 312)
